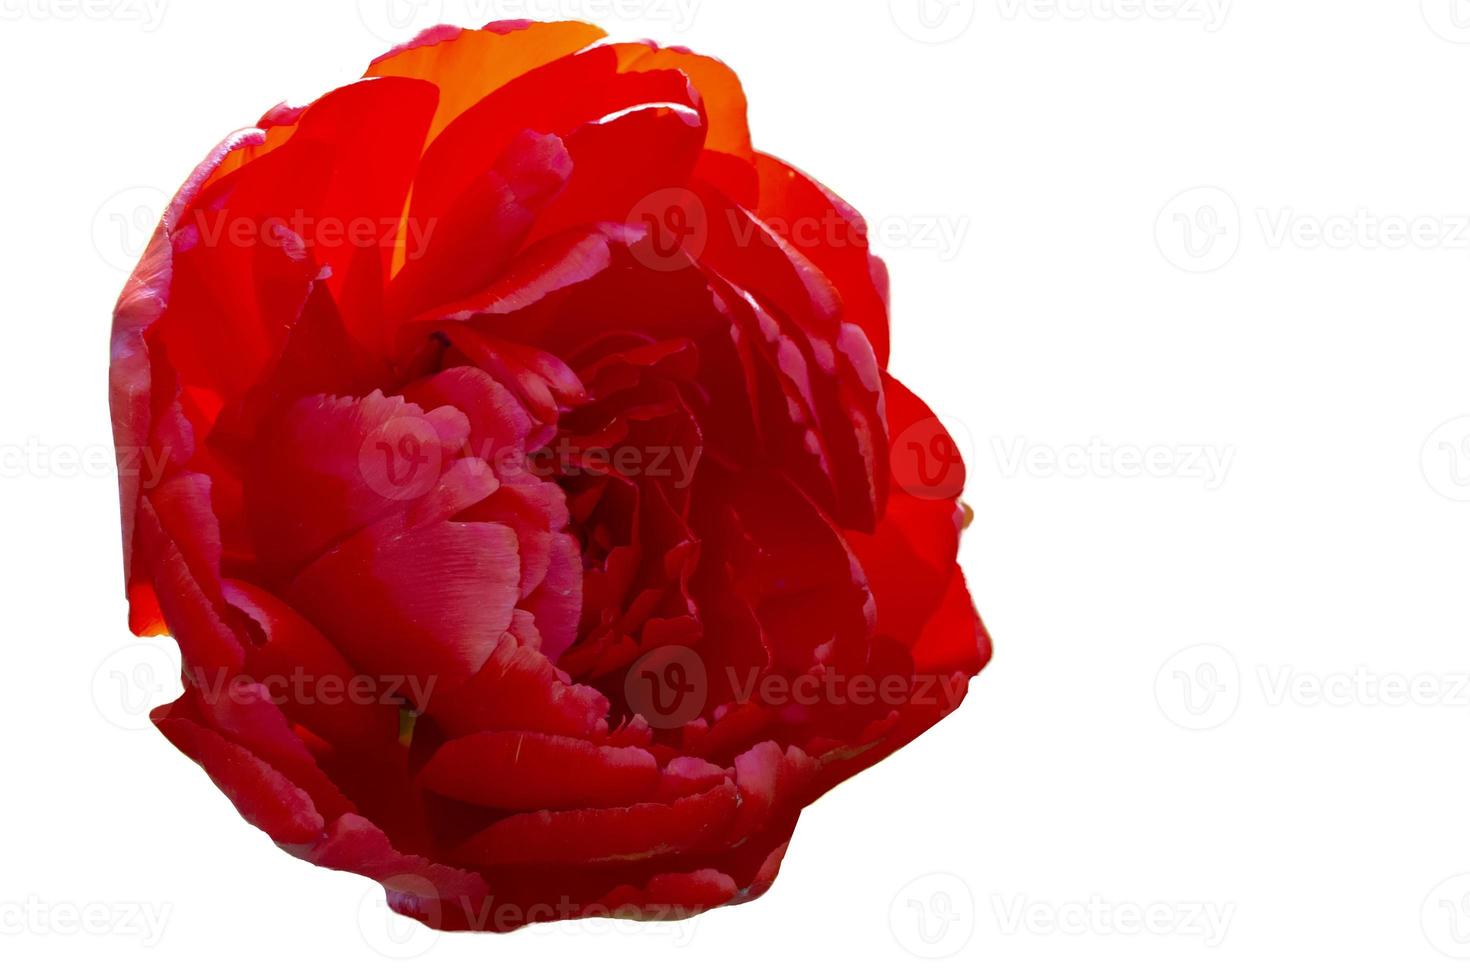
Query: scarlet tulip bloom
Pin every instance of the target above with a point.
(537, 518)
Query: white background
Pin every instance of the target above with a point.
(1228, 240)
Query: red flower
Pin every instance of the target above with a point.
(537, 519)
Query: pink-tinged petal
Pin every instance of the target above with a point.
(621, 162)
(290, 647)
(536, 510)
(519, 689)
(186, 514)
(752, 256)
(330, 466)
(635, 833)
(262, 794)
(429, 603)
(554, 99)
(671, 896)
(205, 640)
(499, 423)
(141, 305)
(732, 732)
(543, 383)
(557, 603)
(818, 407)
(790, 199)
(440, 896)
(245, 713)
(773, 786)
(543, 269)
(463, 249)
(529, 771)
(686, 776)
